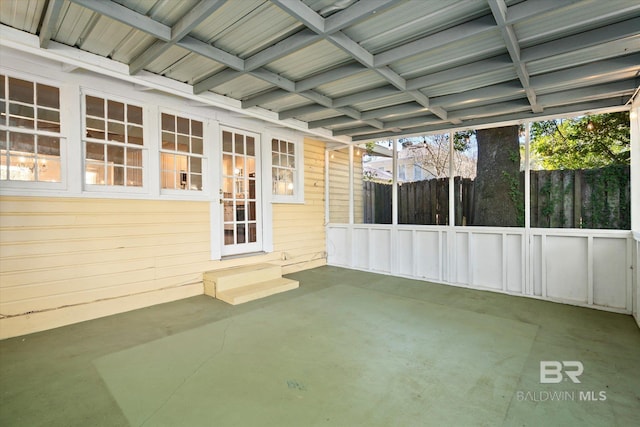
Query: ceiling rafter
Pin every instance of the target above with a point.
(179, 31)
(302, 12)
(50, 18)
(503, 118)
(499, 10)
(530, 55)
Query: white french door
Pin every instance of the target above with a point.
(241, 192)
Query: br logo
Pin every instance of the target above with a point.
(553, 371)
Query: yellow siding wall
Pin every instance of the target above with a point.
(339, 187)
(299, 229)
(358, 193)
(65, 260)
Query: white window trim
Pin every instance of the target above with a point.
(207, 142)
(114, 189)
(298, 176)
(36, 186)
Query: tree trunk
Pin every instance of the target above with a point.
(498, 199)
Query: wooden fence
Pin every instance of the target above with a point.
(594, 198)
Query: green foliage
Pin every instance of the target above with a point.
(583, 142)
(516, 195)
(461, 140)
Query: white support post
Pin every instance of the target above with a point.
(452, 194)
(634, 118)
(351, 204)
(394, 182)
(527, 284)
(327, 218)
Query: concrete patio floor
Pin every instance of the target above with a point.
(345, 349)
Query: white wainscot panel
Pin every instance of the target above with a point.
(536, 265)
(428, 254)
(337, 246)
(610, 271)
(380, 247)
(405, 253)
(461, 259)
(567, 268)
(487, 260)
(361, 248)
(514, 266)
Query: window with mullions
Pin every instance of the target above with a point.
(113, 143)
(29, 131)
(181, 154)
(283, 171)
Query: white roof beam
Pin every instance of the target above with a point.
(311, 19)
(585, 74)
(333, 121)
(181, 29)
(499, 120)
(211, 52)
(49, 22)
(303, 13)
(461, 72)
(487, 93)
(590, 93)
(283, 48)
(128, 17)
(499, 10)
(529, 8)
(356, 13)
(329, 76)
(583, 40)
(628, 9)
(264, 98)
(300, 111)
(459, 32)
(366, 95)
(395, 110)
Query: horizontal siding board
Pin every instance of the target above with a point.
(53, 260)
(58, 255)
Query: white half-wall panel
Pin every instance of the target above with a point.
(405, 252)
(566, 277)
(582, 267)
(514, 262)
(361, 248)
(608, 270)
(537, 264)
(380, 250)
(487, 270)
(338, 246)
(460, 274)
(428, 255)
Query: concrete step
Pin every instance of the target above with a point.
(255, 291)
(229, 278)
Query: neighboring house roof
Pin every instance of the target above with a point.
(352, 70)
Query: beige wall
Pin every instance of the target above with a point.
(65, 260)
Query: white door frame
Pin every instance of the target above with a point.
(241, 230)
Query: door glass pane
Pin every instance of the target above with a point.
(228, 211)
(239, 143)
(241, 233)
(251, 149)
(228, 234)
(240, 213)
(227, 168)
(226, 142)
(253, 233)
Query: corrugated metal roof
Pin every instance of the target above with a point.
(307, 59)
